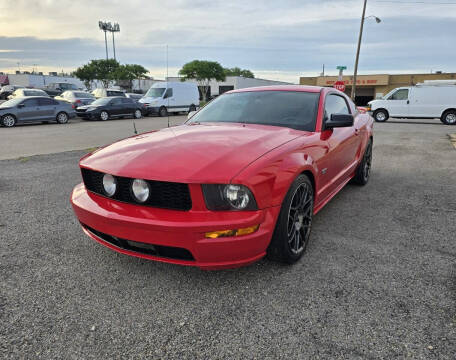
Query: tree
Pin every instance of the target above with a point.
(129, 72)
(203, 72)
(239, 72)
(86, 74)
(103, 70)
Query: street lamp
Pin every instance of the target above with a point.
(378, 20)
(112, 28)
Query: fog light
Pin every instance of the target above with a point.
(235, 232)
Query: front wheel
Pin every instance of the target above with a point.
(62, 118)
(104, 116)
(8, 120)
(163, 112)
(137, 114)
(449, 117)
(292, 231)
(381, 115)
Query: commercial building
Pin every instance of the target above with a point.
(233, 83)
(369, 87)
(37, 80)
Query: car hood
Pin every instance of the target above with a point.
(209, 153)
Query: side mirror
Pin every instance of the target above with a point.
(20, 105)
(339, 120)
(190, 114)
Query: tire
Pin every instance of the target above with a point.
(61, 118)
(381, 115)
(449, 117)
(192, 108)
(8, 120)
(104, 116)
(363, 170)
(163, 112)
(137, 114)
(292, 232)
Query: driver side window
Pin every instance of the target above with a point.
(335, 104)
(401, 94)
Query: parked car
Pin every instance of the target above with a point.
(34, 109)
(421, 101)
(164, 97)
(101, 93)
(55, 89)
(76, 98)
(242, 178)
(27, 92)
(7, 90)
(110, 107)
(134, 96)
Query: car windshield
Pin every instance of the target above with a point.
(83, 95)
(12, 102)
(34, 93)
(293, 109)
(155, 92)
(102, 101)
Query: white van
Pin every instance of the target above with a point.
(175, 96)
(425, 100)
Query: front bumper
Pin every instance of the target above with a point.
(91, 115)
(104, 219)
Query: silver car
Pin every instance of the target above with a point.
(27, 92)
(34, 109)
(76, 98)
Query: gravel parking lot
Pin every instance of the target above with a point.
(378, 280)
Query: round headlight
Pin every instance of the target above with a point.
(237, 196)
(140, 190)
(109, 184)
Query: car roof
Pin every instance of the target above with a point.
(33, 97)
(303, 88)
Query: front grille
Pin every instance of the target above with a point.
(81, 110)
(163, 194)
(170, 252)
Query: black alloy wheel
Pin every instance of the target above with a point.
(292, 232)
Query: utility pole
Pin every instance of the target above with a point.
(105, 27)
(355, 74)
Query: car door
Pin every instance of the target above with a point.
(169, 99)
(48, 108)
(343, 144)
(398, 103)
(128, 106)
(116, 107)
(29, 110)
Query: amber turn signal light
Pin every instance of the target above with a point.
(235, 232)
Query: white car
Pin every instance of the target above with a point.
(168, 97)
(421, 101)
(101, 93)
(27, 92)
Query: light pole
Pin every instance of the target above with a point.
(355, 74)
(114, 28)
(104, 26)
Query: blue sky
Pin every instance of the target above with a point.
(275, 39)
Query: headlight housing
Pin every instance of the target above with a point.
(140, 190)
(228, 197)
(109, 184)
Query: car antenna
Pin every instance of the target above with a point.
(134, 128)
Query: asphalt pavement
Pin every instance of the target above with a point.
(378, 280)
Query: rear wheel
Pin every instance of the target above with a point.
(163, 112)
(104, 116)
(8, 120)
(62, 118)
(381, 115)
(292, 231)
(449, 117)
(364, 168)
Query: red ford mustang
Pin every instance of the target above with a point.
(241, 179)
